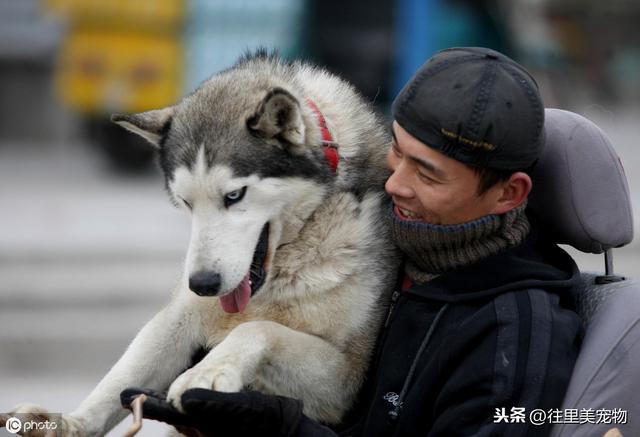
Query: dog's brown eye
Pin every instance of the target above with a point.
(234, 196)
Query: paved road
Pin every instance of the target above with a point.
(86, 258)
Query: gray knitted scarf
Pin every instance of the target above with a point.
(434, 249)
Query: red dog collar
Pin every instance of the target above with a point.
(330, 146)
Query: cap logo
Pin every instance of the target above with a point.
(476, 144)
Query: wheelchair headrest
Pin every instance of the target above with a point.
(580, 192)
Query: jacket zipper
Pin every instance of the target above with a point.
(394, 300)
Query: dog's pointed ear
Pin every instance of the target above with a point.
(151, 125)
(279, 117)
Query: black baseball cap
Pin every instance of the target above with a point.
(475, 105)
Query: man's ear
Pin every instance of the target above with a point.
(150, 125)
(514, 192)
(278, 119)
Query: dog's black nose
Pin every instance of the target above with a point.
(205, 283)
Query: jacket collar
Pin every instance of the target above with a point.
(536, 263)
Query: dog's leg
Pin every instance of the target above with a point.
(279, 360)
(160, 351)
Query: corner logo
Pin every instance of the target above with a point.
(13, 425)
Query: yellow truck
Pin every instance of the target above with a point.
(119, 56)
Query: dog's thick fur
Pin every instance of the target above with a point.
(309, 330)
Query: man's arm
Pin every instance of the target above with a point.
(210, 413)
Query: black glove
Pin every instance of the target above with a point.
(211, 413)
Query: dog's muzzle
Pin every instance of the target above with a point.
(205, 283)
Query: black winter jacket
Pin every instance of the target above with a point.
(456, 351)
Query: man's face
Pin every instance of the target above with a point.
(428, 186)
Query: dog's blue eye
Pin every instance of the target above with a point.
(234, 196)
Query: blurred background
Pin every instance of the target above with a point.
(89, 246)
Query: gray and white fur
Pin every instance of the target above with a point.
(308, 332)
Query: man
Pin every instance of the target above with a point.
(482, 331)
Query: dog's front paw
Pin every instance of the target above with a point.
(227, 379)
(34, 421)
(192, 378)
(221, 378)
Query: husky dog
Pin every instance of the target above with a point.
(281, 167)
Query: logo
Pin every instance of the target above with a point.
(13, 425)
(393, 399)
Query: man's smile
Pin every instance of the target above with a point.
(406, 214)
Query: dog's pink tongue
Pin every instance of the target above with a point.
(237, 300)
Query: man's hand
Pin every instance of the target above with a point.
(211, 413)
